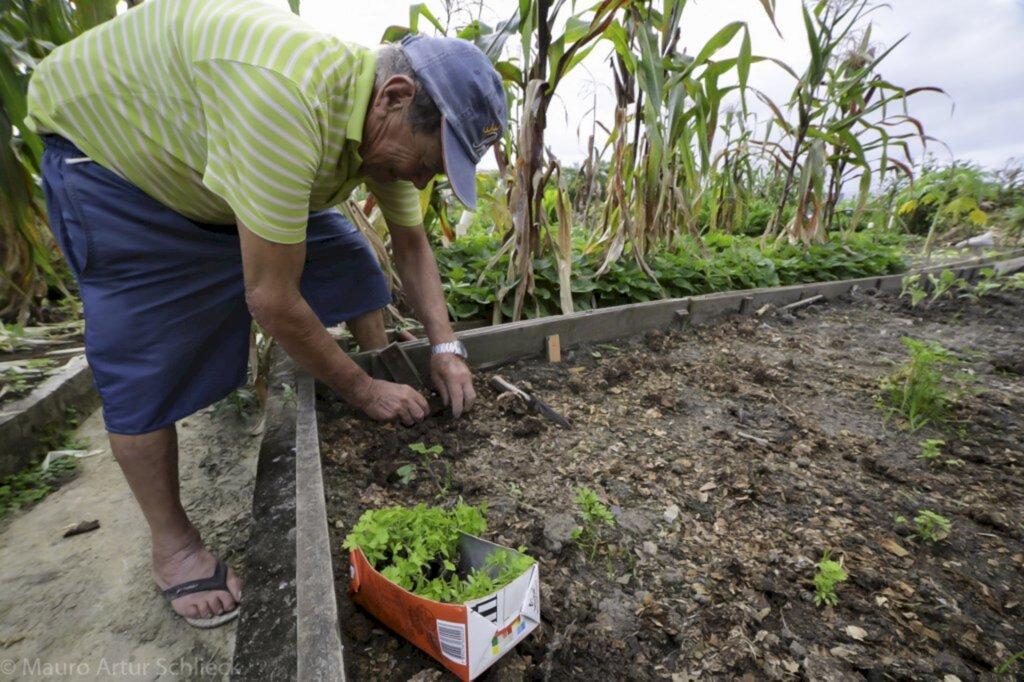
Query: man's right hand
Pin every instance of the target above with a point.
(385, 401)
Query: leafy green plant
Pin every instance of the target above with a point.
(918, 390)
(976, 291)
(929, 526)
(829, 574)
(912, 287)
(595, 516)
(941, 284)
(417, 549)
(931, 451)
(428, 456)
(1014, 282)
(34, 484)
(243, 401)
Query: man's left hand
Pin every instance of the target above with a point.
(453, 381)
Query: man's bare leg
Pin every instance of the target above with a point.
(368, 330)
(150, 463)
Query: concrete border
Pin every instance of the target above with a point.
(24, 423)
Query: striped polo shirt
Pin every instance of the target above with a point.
(220, 109)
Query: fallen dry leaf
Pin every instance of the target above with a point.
(856, 633)
(891, 546)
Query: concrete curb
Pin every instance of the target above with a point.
(23, 424)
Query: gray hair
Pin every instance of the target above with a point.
(424, 116)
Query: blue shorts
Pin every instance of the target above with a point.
(166, 323)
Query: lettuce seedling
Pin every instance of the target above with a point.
(830, 573)
(418, 549)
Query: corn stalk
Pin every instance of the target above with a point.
(844, 116)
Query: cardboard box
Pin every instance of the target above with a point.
(465, 638)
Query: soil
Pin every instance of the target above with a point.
(733, 457)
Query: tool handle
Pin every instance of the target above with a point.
(502, 386)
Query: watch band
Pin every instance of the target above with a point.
(453, 347)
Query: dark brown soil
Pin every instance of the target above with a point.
(733, 457)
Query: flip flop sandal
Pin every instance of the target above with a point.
(215, 583)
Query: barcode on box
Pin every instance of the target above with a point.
(452, 637)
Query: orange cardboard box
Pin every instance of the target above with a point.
(465, 638)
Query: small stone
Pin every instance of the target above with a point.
(797, 649)
(672, 577)
(672, 513)
(650, 548)
(558, 530)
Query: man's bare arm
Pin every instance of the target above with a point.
(422, 284)
(272, 274)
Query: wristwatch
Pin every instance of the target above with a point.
(453, 347)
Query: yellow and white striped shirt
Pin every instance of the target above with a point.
(218, 109)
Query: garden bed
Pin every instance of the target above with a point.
(733, 457)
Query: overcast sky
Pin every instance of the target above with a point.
(973, 50)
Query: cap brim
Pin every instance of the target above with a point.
(459, 166)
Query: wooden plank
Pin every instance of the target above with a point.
(493, 346)
(553, 346)
(318, 638)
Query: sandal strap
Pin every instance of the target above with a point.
(216, 582)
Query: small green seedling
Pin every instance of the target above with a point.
(595, 516)
(940, 285)
(988, 283)
(929, 526)
(407, 472)
(931, 449)
(1014, 282)
(931, 452)
(912, 287)
(830, 573)
(918, 390)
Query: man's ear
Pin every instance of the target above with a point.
(396, 94)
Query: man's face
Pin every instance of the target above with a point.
(405, 155)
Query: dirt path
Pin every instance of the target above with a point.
(733, 457)
(85, 607)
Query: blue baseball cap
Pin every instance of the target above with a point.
(468, 92)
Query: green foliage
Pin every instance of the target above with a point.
(830, 573)
(417, 549)
(931, 449)
(918, 390)
(976, 291)
(29, 262)
(912, 288)
(929, 526)
(34, 484)
(243, 401)
(472, 283)
(428, 456)
(595, 516)
(1014, 282)
(931, 452)
(944, 198)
